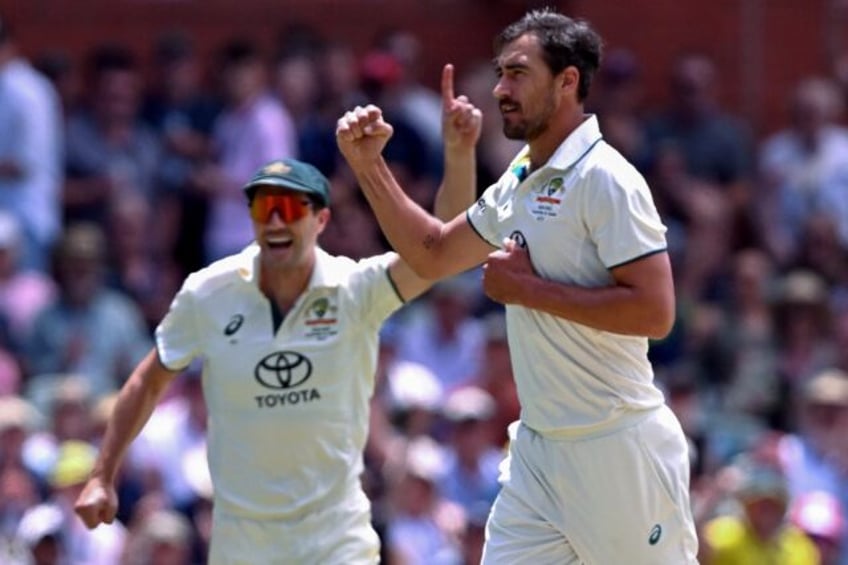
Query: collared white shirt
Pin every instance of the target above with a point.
(584, 212)
(288, 411)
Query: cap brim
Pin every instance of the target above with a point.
(252, 186)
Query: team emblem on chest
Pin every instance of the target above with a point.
(545, 199)
(321, 318)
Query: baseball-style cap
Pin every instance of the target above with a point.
(294, 175)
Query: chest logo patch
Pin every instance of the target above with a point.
(321, 318)
(283, 370)
(545, 200)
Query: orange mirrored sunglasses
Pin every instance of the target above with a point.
(290, 207)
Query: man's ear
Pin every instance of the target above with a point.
(570, 78)
(323, 218)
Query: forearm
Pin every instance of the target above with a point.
(413, 232)
(136, 402)
(617, 309)
(459, 185)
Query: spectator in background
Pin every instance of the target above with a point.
(804, 169)
(63, 72)
(88, 329)
(296, 73)
(759, 533)
(820, 516)
(424, 528)
(40, 532)
(820, 250)
(618, 102)
(254, 128)
(699, 161)
(176, 429)
(810, 454)
(30, 152)
(442, 334)
(23, 291)
(495, 375)
(471, 455)
(407, 152)
(140, 267)
(182, 111)
(109, 151)
(802, 319)
(339, 87)
(74, 462)
(415, 103)
(18, 419)
(164, 538)
(413, 394)
(737, 350)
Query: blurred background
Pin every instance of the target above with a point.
(128, 126)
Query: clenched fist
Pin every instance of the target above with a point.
(361, 135)
(97, 503)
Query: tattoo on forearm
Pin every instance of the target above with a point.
(429, 241)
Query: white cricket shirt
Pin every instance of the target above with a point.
(584, 212)
(288, 411)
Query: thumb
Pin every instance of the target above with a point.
(508, 244)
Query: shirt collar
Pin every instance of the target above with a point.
(577, 144)
(248, 266)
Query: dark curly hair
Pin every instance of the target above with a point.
(565, 42)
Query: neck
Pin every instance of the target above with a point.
(282, 284)
(544, 146)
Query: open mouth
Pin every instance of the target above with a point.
(279, 242)
(508, 108)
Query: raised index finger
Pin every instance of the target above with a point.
(447, 86)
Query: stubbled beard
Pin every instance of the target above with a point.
(525, 131)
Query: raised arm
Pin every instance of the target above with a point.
(433, 249)
(461, 126)
(98, 502)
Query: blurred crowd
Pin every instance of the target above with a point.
(120, 173)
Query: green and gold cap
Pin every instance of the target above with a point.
(294, 175)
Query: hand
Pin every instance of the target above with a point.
(504, 273)
(461, 120)
(97, 503)
(361, 135)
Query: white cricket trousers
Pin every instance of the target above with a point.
(339, 535)
(617, 497)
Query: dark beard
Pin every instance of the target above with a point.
(523, 131)
(530, 130)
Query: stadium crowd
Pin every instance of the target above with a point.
(119, 177)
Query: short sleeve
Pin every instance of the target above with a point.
(622, 218)
(177, 338)
(372, 291)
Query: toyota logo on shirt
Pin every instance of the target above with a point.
(283, 370)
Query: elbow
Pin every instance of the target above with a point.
(427, 269)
